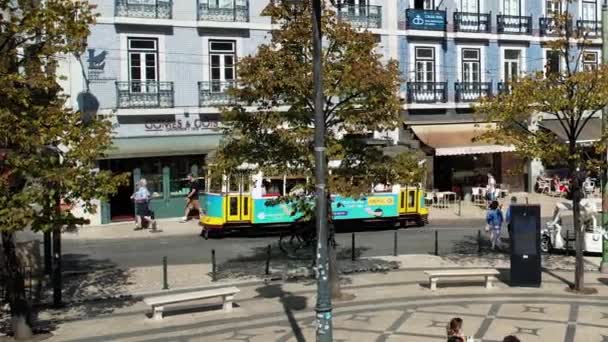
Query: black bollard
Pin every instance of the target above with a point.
(268, 260)
(436, 242)
(395, 246)
(352, 247)
(165, 278)
(459, 207)
(479, 241)
(213, 269)
(567, 242)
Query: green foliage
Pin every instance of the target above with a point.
(50, 150)
(360, 97)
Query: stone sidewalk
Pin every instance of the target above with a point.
(393, 306)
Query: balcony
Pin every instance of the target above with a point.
(425, 20)
(472, 91)
(427, 92)
(154, 9)
(236, 11)
(504, 88)
(513, 24)
(472, 22)
(589, 28)
(365, 16)
(147, 94)
(549, 27)
(215, 93)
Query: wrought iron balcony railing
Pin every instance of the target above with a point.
(504, 87)
(472, 22)
(513, 24)
(236, 11)
(549, 27)
(157, 9)
(472, 91)
(363, 16)
(215, 93)
(589, 28)
(427, 92)
(146, 94)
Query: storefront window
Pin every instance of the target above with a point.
(179, 169)
(152, 172)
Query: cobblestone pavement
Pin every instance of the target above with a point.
(396, 306)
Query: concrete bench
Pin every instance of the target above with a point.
(488, 273)
(158, 303)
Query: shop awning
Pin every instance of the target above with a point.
(457, 139)
(138, 147)
(591, 132)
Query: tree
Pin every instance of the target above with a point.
(272, 121)
(572, 95)
(49, 152)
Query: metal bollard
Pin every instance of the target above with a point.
(567, 242)
(460, 207)
(479, 241)
(268, 260)
(395, 246)
(213, 269)
(352, 247)
(436, 242)
(165, 278)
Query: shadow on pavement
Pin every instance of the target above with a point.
(290, 304)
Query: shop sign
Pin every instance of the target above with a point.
(426, 20)
(96, 68)
(181, 126)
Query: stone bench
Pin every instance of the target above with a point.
(488, 273)
(158, 303)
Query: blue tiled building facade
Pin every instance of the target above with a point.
(161, 68)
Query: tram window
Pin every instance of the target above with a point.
(272, 187)
(295, 186)
(382, 187)
(246, 179)
(215, 185)
(411, 199)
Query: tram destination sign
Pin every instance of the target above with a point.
(426, 20)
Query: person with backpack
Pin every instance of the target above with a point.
(494, 220)
(143, 214)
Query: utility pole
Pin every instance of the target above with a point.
(323, 307)
(604, 170)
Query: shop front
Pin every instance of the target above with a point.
(461, 162)
(164, 157)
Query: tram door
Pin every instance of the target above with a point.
(408, 201)
(238, 206)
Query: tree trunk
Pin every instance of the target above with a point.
(21, 318)
(48, 257)
(334, 276)
(579, 234)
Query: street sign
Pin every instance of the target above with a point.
(426, 20)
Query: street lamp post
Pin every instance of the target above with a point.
(604, 170)
(323, 307)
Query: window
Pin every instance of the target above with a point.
(470, 66)
(143, 65)
(469, 6)
(553, 62)
(511, 65)
(590, 60)
(424, 4)
(589, 10)
(425, 64)
(511, 7)
(553, 7)
(222, 55)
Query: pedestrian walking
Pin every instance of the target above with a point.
(494, 220)
(191, 198)
(508, 215)
(491, 188)
(143, 214)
